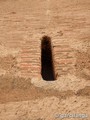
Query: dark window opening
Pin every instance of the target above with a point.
(47, 67)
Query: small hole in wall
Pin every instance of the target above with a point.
(47, 65)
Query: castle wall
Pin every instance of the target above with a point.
(23, 24)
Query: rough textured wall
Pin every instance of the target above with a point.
(24, 23)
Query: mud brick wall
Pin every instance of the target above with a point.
(30, 59)
(64, 60)
(30, 63)
(23, 24)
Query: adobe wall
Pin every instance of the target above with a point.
(24, 23)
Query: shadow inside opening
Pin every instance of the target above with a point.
(47, 68)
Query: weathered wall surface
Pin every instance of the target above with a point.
(24, 23)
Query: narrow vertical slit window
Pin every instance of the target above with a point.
(47, 67)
